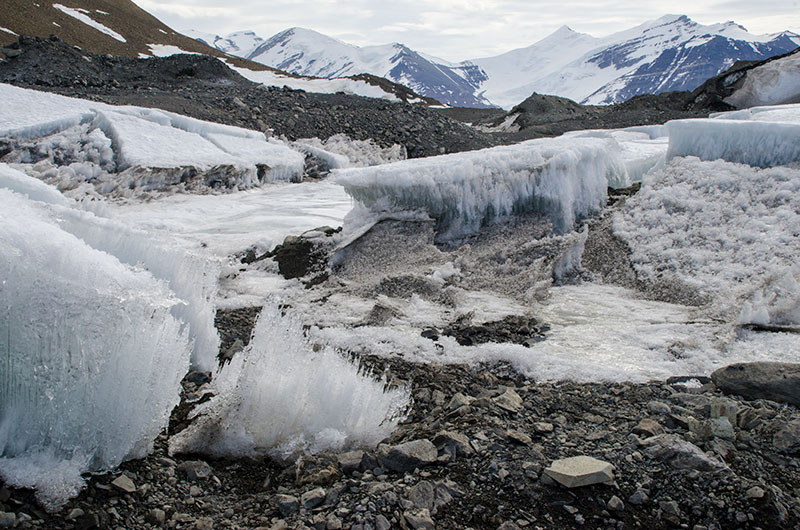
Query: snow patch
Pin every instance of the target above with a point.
(81, 15)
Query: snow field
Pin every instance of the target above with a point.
(566, 179)
(284, 396)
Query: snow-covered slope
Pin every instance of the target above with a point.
(669, 53)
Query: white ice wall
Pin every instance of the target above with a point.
(91, 355)
(564, 178)
(755, 143)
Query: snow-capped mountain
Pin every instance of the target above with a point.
(305, 52)
(241, 43)
(669, 53)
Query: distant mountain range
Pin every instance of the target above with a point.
(667, 54)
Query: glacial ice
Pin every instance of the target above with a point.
(774, 83)
(75, 143)
(756, 143)
(354, 153)
(92, 355)
(564, 178)
(728, 229)
(282, 396)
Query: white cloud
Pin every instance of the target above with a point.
(460, 29)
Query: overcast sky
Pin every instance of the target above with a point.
(460, 29)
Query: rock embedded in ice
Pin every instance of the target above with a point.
(774, 83)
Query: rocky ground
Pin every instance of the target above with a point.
(481, 447)
(474, 453)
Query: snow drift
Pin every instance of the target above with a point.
(92, 355)
(564, 178)
(282, 396)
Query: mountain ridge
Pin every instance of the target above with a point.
(672, 52)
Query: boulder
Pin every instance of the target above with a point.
(787, 437)
(410, 455)
(681, 454)
(761, 380)
(580, 471)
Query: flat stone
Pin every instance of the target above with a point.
(382, 523)
(124, 484)
(541, 427)
(410, 455)
(761, 380)
(519, 437)
(454, 441)
(580, 471)
(681, 454)
(721, 406)
(204, 523)
(509, 400)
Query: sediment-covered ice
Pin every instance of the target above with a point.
(773, 83)
(92, 356)
(564, 178)
(730, 230)
(753, 142)
(116, 150)
(281, 396)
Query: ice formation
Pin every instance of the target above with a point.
(92, 355)
(728, 229)
(773, 83)
(565, 178)
(354, 153)
(641, 149)
(753, 142)
(281, 396)
(114, 150)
